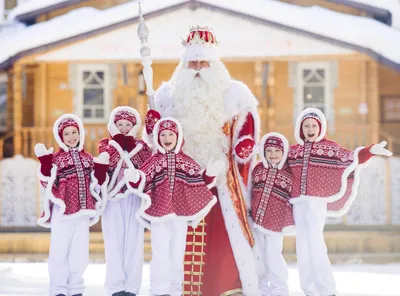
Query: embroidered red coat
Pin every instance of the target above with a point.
(172, 184)
(68, 185)
(271, 188)
(324, 170)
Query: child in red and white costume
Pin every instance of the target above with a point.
(71, 205)
(325, 183)
(123, 234)
(176, 193)
(271, 212)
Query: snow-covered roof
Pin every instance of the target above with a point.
(34, 5)
(359, 33)
(239, 38)
(393, 6)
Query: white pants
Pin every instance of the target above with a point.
(312, 256)
(276, 270)
(123, 244)
(69, 254)
(168, 244)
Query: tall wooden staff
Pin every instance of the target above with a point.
(145, 51)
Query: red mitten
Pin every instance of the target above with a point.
(46, 164)
(120, 139)
(152, 117)
(364, 155)
(45, 157)
(101, 167)
(244, 148)
(130, 143)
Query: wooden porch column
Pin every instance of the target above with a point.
(271, 97)
(17, 108)
(375, 106)
(258, 92)
(43, 94)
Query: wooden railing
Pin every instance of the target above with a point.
(350, 137)
(32, 135)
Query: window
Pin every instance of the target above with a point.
(391, 108)
(93, 92)
(3, 102)
(313, 84)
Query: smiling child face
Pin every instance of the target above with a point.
(273, 155)
(310, 129)
(124, 126)
(168, 140)
(70, 136)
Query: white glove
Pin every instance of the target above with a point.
(132, 175)
(378, 149)
(215, 168)
(103, 158)
(40, 150)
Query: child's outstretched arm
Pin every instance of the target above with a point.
(376, 149)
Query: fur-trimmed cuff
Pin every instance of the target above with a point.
(244, 149)
(364, 155)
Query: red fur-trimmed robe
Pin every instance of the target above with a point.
(219, 256)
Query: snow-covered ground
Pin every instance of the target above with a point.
(352, 280)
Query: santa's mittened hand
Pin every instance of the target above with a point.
(130, 143)
(215, 168)
(152, 117)
(378, 149)
(245, 148)
(133, 177)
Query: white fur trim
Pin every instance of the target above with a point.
(112, 128)
(145, 199)
(80, 127)
(248, 158)
(103, 158)
(288, 230)
(200, 52)
(242, 251)
(300, 119)
(356, 167)
(101, 202)
(46, 191)
(179, 139)
(113, 187)
(285, 149)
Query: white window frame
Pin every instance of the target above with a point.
(328, 90)
(4, 79)
(81, 68)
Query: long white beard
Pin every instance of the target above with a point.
(199, 106)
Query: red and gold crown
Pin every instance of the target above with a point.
(200, 44)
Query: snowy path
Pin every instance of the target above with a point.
(30, 279)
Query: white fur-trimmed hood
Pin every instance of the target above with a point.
(285, 149)
(179, 141)
(112, 128)
(80, 127)
(300, 119)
